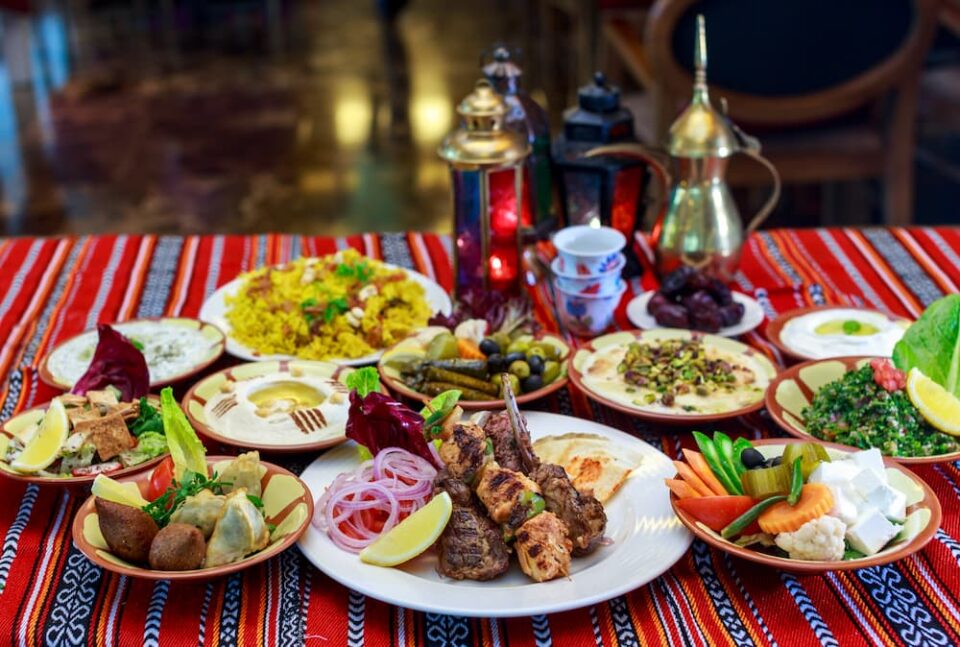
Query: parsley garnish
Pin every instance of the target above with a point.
(149, 419)
(335, 307)
(360, 271)
(167, 503)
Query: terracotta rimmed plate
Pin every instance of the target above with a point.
(647, 539)
(414, 346)
(775, 326)
(795, 388)
(921, 501)
(232, 384)
(287, 502)
(752, 314)
(760, 363)
(210, 348)
(214, 310)
(26, 419)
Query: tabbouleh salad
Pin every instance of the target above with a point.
(856, 411)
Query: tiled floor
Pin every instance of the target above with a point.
(313, 116)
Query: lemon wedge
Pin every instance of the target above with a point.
(44, 445)
(411, 536)
(105, 487)
(940, 407)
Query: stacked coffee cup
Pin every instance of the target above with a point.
(587, 275)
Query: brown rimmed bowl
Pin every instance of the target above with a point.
(662, 334)
(287, 501)
(921, 501)
(415, 345)
(218, 342)
(19, 423)
(195, 400)
(775, 326)
(796, 387)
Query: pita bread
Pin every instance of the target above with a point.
(593, 463)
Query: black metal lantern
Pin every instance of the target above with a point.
(601, 190)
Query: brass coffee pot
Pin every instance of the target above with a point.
(699, 224)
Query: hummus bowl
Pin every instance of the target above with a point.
(596, 370)
(276, 406)
(824, 332)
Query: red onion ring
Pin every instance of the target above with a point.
(395, 482)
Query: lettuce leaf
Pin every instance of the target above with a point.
(116, 362)
(932, 344)
(150, 445)
(363, 380)
(377, 421)
(186, 450)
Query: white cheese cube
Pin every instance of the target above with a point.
(871, 459)
(866, 481)
(891, 503)
(835, 472)
(871, 532)
(843, 508)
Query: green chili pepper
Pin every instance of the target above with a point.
(727, 460)
(739, 524)
(739, 446)
(796, 482)
(710, 454)
(488, 449)
(534, 502)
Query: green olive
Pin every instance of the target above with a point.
(497, 379)
(502, 339)
(551, 351)
(443, 346)
(514, 384)
(518, 346)
(536, 351)
(520, 368)
(551, 371)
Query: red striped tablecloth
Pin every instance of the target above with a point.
(51, 289)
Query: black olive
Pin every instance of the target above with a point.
(510, 358)
(531, 383)
(776, 461)
(489, 347)
(495, 363)
(751, 458)
(536, 364)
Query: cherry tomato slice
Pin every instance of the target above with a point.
(161, 479)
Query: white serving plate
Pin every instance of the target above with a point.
(647, 539)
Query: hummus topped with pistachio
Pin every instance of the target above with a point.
(676, 376)
(279, 409)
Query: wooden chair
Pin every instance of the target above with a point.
(857, 128)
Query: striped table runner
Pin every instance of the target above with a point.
(50, 594)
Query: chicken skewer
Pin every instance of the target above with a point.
(582, 514)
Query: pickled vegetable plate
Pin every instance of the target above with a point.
(418, 347)
(923, 512)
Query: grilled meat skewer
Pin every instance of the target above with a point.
(464, 451)
(506, 449)
(543, 547)
(581, 514)
(509, 497)
(471, 546)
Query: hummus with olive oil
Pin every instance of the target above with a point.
(601, 375)
(836, 332)
(279, 409)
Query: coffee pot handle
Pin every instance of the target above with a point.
(771, 202)
(657, 162)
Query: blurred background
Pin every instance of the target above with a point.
(324, 116)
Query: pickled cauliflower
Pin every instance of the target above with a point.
(819, 539)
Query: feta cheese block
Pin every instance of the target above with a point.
(870, 459)
(871, 532)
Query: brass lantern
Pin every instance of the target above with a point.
(486, 165)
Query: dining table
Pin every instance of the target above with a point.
(51, 594)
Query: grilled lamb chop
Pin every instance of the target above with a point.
(506, 449)
(471, 547)
(582, 514)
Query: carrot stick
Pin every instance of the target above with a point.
(687, 474)
(682, 489)
(699, 465)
